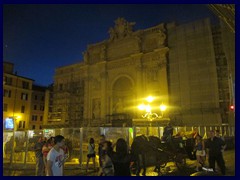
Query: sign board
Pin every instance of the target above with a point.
(8, 124)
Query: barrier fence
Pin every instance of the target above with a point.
(18, 146)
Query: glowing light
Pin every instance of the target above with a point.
(148, 108)
(150, 99)
(163, 107)
(141, 107)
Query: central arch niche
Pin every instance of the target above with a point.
(122, 99)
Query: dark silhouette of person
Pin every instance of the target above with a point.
(214, 146)
(121, 159)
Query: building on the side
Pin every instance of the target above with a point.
(37, 107)
(26, 103)
(199, 74)
(48, 110)
(17, 94)
(185, 67)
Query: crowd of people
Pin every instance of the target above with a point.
(50, 156)
(115, 159)
(112, 163)
(212, 148)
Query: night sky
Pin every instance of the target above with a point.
(39, 38)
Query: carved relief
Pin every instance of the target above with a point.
(154, 40)
(85, 56)
(96, 84)
(104, 75)
(118, 64)
(96, 109)
(152, 74)
(161, 37)
(118, 106)
(96, 53)
(103, 53)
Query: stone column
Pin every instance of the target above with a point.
(86, 113)
(104, 98)
(162, 73)
(137, 58)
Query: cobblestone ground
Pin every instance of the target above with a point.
(169, 170)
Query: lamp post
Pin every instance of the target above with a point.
(149, 115)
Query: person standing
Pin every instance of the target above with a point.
(200, 151)
(214, 146)
(168, 132)
(91, 153)
(107, 164)
(195, 133)
(168, 135)
(45, 149)
(217, 134)
(100, 150)
(56, 157)
(121, 159)
(39, 157)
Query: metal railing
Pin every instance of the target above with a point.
(23, 155)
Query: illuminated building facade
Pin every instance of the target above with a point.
(17, 94)
(185, 66)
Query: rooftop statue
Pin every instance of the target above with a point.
(121, 29)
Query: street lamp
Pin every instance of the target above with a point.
(148, 109)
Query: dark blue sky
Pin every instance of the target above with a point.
(39, 38)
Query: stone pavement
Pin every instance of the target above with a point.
(169, 170)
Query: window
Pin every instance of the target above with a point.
(8, 80)
(20, 124)
(33, 126)
(7, 93)
(40, 127)
(41, 118)
(24, 96)
(60, 87)
(35, 107)
(35, 97)
(5, 107)
(25, 85)
(22, 109)
(41, 108)
(34, 117)
(42, 98)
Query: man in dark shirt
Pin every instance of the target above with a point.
(168, 135)
(168, 132)
(214, 146)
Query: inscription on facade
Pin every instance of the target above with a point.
(122, 49)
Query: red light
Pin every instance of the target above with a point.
(232, 107)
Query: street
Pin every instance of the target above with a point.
(169, 170)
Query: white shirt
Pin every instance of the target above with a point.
(57, 159)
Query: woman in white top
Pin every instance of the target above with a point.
(91, 153)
